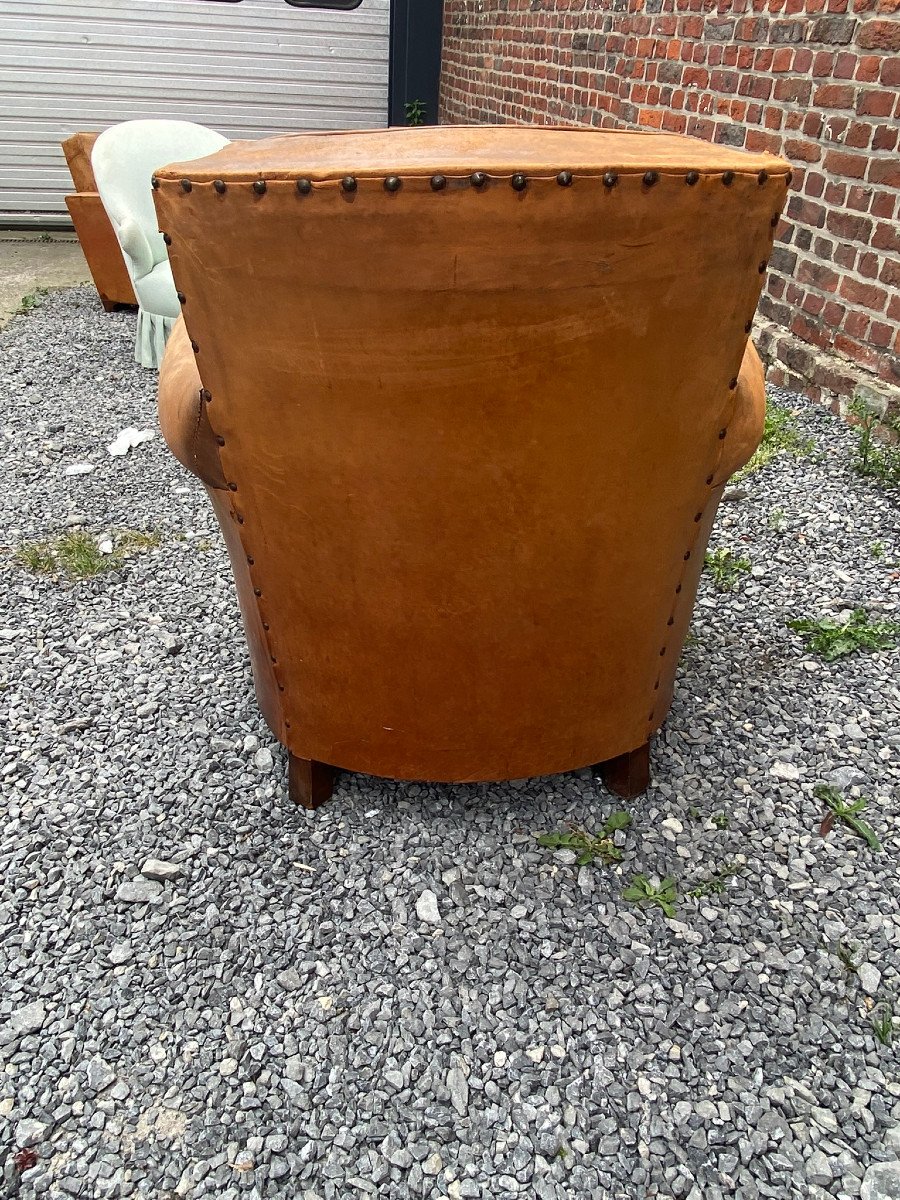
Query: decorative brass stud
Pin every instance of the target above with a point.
(762, 177)
(195, 347)
(167, 239)
(722, 433)
(691, 178)
(186, 185)
(748, 325)
(239, 518)
(650, 177)
(219, 185)
(392, 183)
(154, 182)
(249, 560)
(788, 178)
(763, 265)
(687, 555)
(205, 395)
(232, 487)
(220, 439)
(677, 589)
(304, 186)
(257, 591)
(564, 179)
(733, 384)
(478, 179)
(775, 219)
(671, 621)
(728, 178)
(181, 297)
(662, 654)
(259, 186)
(610, 179)
(438, 182)
(348, 184)
(709, 480)
(518, 182)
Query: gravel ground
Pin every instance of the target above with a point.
(403, 994)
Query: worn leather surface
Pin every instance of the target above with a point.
(77, 150)
(474, 438)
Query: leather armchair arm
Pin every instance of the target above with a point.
(745, 429)
(182, 413)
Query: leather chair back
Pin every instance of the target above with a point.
(475, 394)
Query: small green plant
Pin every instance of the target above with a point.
(847, 957)
(32, 301)
(720, 820)
(877, 549)
(883, 1022)
(589, 846)
(415, 112)
(78, 554)
(834, 639)
(44, 237)
(716, 883)
(780, 436)
(776, 519)
(726, 568)
(840, 810)
(664, 895)
(874, 458)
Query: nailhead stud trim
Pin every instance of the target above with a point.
(154, 182)
(304, 186)
(348, 184)
(205, 395)
(650, 178)
(186, 185)
(478, 179)
(610, 179)
(762, 177)
(167, 239)
(259, 186)
(564, 179)
(438, 183)
(728, 178)
(392, 183)
(182, 299)
(518, 182)
(220, 186)
(691, 178)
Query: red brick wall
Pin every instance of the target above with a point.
(813, 80)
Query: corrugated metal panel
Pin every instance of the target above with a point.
(245, 69)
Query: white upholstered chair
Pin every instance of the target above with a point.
(124, 159)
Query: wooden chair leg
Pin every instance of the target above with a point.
(628, 774)
(310, 783)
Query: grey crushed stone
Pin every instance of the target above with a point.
(281, 1019)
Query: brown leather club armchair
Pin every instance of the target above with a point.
(97, 237)
(465, 401)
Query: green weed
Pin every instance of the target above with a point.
(726, 568)
(834, 639)
(589, 846)
(32, 301)
(780, 436)
(883, 1022)
(873, 458)
(78, 555)
(415, 112)
(840, 810)
(664, 895)
(717, 882)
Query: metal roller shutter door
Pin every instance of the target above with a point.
(246, 69)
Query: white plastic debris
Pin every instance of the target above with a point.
(106, 546)
(129, 438)
(79, 468)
